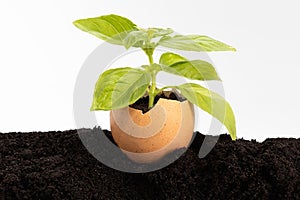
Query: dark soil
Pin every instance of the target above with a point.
(55, 165)
(142, 103)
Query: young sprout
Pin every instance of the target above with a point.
(120, 87)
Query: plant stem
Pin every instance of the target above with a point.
(150, 57)
(152, 91)
(149, 51)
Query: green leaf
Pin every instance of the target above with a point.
(111, 28)
(194, 69)
(210, 44)
(118, 88)
(194, 43)
(153, 68)
(212, 103)
(169, 58)
(157, 32)
(135, 38)
(179, 42)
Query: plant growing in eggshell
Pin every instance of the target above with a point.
(120, 87)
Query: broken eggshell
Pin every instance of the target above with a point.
(147, 137)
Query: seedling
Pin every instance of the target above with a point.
(121, 87)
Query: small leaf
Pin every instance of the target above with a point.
(179, 42)
(118, 88)
(194, 69)
(210, 44)
(157, 32)
(135, 38)
(111, 28)
(169, 58)
(212, 103)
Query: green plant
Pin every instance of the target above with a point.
(120, 87)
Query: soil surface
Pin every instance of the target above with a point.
(142, 103)
(55, 165)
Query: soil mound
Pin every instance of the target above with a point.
(55, 165)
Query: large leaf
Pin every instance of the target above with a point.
(210, 44)
(179, 42)
(118, 88)
(194, 69)
(111, 28)
(194, 43)
(212, 103)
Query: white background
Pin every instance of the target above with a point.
(41, 53)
